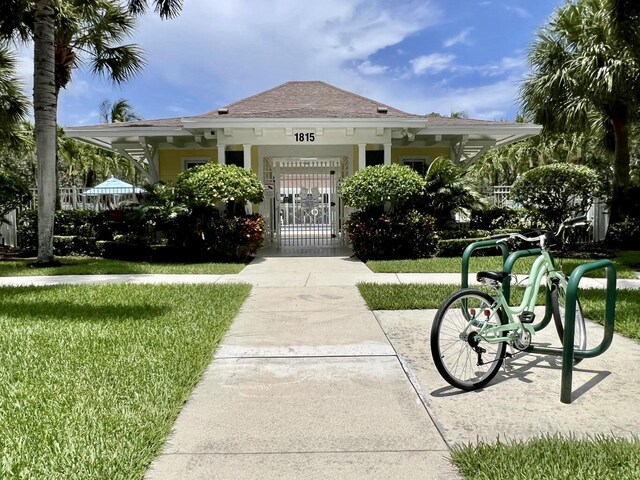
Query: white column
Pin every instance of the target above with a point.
(247, 156)
(221, 155)
(362, 155)
(387, 154)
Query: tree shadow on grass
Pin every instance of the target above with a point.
(66, 311)
(15, 304)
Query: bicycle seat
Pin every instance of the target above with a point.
(492, 276)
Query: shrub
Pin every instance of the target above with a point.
(387, 236)
(211, 184)
(552, 193)
(14, 192)
(27, 230)
(455, 247)
(624, 235)
(493, 217)
(448, 191)
(382, 185)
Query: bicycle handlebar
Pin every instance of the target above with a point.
(545, 238)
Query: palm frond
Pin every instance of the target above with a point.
(119, 64)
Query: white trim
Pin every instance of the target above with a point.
(195, 160)
(222, 156)
(362, 156)
(387, 154)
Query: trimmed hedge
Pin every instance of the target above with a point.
(381, 186)
(386, 236)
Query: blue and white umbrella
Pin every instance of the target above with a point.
(112, 186)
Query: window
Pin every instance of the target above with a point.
(234, 158)
(190, 162)
(419, 164)
(374, 157)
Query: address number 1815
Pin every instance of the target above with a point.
(305, 137)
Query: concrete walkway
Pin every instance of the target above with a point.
(305, 385)
(308, 383)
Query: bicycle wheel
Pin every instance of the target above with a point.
(463, 359)
(558, 305)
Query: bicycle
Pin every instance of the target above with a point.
(472, 329)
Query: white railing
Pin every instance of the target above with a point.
(500, 196)
(82, 198)
(597, 214)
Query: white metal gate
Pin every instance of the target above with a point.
(306, 209)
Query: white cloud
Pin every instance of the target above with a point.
(368, 68)
(461, 38)
(431, 64)
(245, 45)
(518, 11)
(489, 102)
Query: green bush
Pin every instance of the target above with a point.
(552, 193)
(455, 247)
(212, 184)
(14, 193)
(382, 185)
(391, 236)
(624, 235)
(491, 218)
(448, 191)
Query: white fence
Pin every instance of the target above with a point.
(8, 234)
(79, 198)
(597, 215)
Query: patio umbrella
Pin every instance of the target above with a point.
(112, 186)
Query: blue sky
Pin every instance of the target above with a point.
(417, 55)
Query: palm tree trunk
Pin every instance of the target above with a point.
(620, 165)
(45, 108)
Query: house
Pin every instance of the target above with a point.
(301, 139)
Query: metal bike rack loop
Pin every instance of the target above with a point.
(567, 351)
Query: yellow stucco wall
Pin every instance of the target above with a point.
(430, 152)
(170, 160)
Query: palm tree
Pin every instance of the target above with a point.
(583, 73)
(117, 111)
(36, 19)
(13, 104)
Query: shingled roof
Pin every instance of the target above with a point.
(306, 100)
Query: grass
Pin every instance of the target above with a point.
(626, 264)
(551, 457)
(412, 296)
(92, 377)
(101, 266)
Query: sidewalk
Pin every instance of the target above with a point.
(305, 385)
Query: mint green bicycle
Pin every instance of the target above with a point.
(472, 329)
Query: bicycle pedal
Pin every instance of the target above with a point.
(527, 317)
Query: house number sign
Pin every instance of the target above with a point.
(305, 137)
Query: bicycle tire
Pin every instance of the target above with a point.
(558, 304)
(452, 317)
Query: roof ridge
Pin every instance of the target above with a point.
(308, 82)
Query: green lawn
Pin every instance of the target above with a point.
(551, 457)
(627, 263)
(411, 296)
(92, 377)
(101, 266)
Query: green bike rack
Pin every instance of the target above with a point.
(568, 351)
(477, 246)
